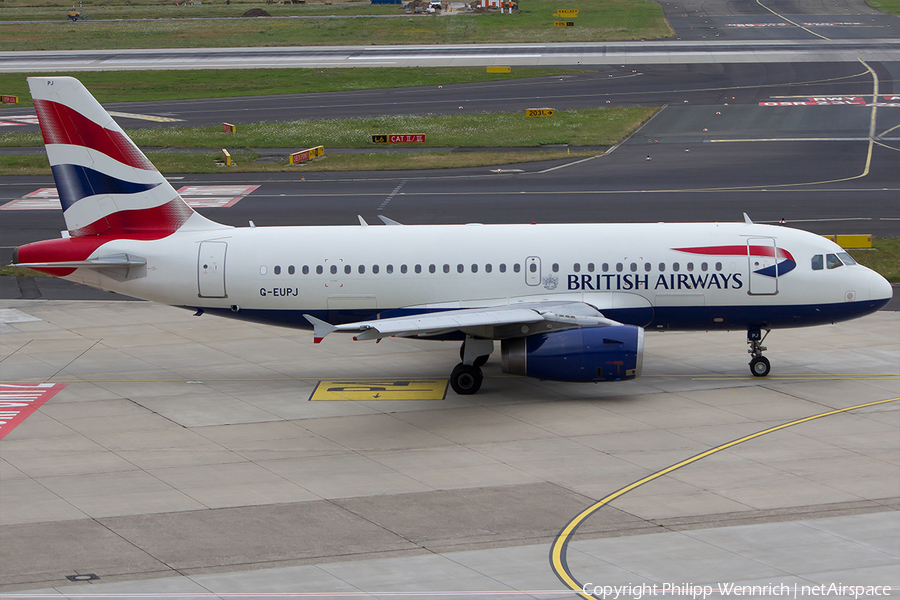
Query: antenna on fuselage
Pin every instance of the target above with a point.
(387, 221)
(747, 219)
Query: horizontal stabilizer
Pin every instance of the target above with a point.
(320, 328)
(103, 262)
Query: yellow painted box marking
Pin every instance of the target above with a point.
(379, 389)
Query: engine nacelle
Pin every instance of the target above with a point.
(584, 354)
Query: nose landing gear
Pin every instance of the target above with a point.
(759, 364)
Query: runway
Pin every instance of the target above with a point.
(552, 54)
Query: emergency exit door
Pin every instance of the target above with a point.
(211, 270)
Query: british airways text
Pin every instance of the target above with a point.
(671, 281)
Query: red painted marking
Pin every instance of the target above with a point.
(21, 119)
(19, 400)
(196, 196)
(63, 125)
(40, 199)
(406, 138)
(215, 196)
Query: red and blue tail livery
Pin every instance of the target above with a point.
(106, 185)
(564, 302)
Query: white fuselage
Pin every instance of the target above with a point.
(678, 276)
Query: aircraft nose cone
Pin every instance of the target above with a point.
(880, 288)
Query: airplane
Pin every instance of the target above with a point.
(567, 302)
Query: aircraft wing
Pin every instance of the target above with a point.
(570, 313)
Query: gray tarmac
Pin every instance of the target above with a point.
(184, 456)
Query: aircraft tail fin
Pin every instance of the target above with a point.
(106, 185)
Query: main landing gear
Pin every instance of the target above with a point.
(759, 364)
(466, 377)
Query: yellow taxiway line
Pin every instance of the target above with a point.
(558, 550)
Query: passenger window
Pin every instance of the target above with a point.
(619, 267)
(675, 267)
(555, 268)
(690, 266)
(460, 268)
(333, 269)
(319, 270)
(361, 269)
(517, 267)
(446, 268)
(633, 267)
(832, 261)
(532, 267)
(418, 268)
(647, 266)
(305, 270)
(662, 267)
(577, 267)
(718, 266)
(375, 269)
(291, 270)
(389, 269)
(488, 268)
(703, 266)
(817, 263)
(403, 268)
(262, 270)
(590, 267)
(347, 269)
(474, 268)
(846, 258)
(432, 268)
(605, 267)
(503, 267)
(277, 270)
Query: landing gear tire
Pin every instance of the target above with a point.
(466, 379)
(759, 366)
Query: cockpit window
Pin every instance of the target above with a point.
(832, 261)
(817, 263)
(846, 258)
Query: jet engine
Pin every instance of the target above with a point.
(584, 354)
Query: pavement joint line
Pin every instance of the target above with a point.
(883, 145)
(609, 151)
(558, 550)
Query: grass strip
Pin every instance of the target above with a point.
(147, 86)
(589, 127)
(245, 161)
(883, 257)
(598, 20)
(26, 10)
(888, 6)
